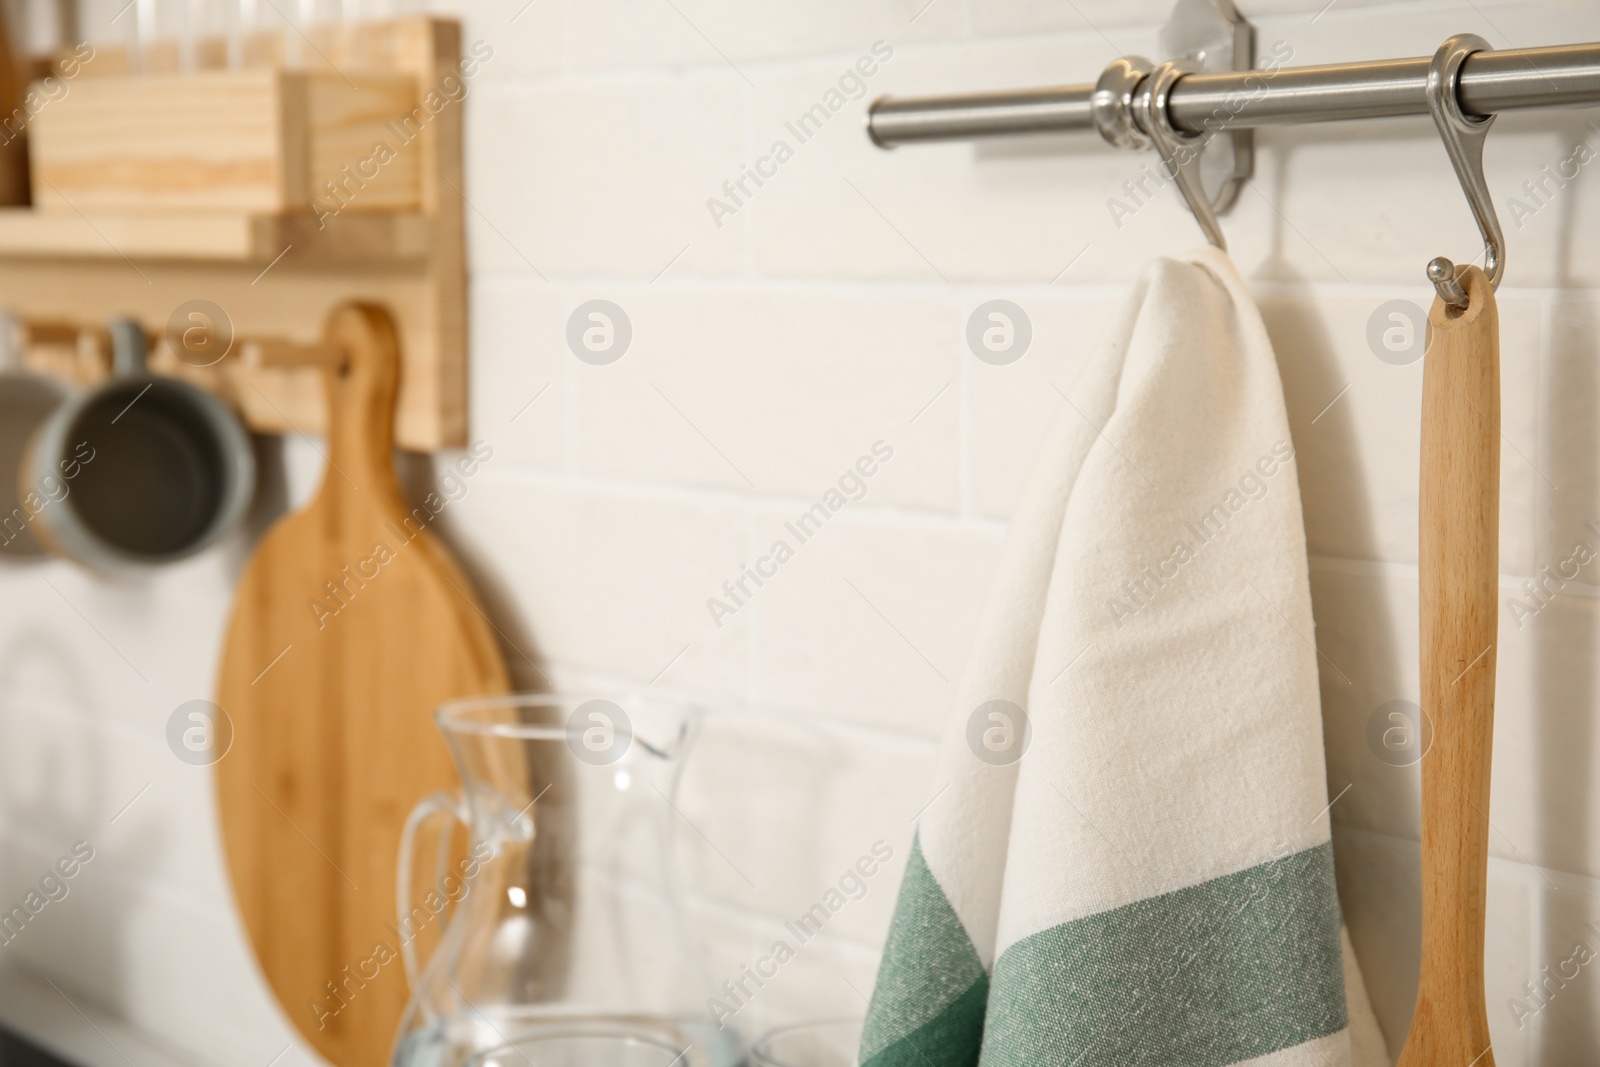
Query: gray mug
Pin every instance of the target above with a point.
(26, 401)
(154, 469)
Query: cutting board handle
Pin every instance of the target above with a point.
(1458, 570)
(362, 382)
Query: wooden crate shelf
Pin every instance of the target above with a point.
(266, 250)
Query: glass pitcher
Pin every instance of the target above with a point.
(564, 913)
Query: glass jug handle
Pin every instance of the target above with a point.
(429, 806)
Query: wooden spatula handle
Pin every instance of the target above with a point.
(1458, 565)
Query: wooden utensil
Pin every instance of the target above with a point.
(1459, 567)
(13, 140)
(351, 624)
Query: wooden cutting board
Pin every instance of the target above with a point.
(351, 624)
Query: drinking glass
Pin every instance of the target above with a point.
(602, 1047)
(819, 1043)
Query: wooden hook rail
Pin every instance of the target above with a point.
(255, 353)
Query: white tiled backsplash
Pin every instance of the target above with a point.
(825, 314)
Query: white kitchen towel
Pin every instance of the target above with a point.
(1126, 859)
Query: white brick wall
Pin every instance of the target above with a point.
(772, 350)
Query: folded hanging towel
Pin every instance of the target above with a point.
(1137, 869)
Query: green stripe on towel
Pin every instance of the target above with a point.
(949, 1039)
(1214, 974)
(927, 1009)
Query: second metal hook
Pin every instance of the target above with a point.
(1180, 152)
(1463, 138)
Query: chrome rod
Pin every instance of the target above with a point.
(1491, 82)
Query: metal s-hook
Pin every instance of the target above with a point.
(1463, 138)
(1129, 106)
(1180, 152)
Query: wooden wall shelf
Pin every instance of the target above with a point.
(373, 239)
(83, 254)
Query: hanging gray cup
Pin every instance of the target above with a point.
(160, 469)
(26, 401)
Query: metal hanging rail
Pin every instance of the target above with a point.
(1490, 82)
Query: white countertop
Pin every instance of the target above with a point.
(68, 1025)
